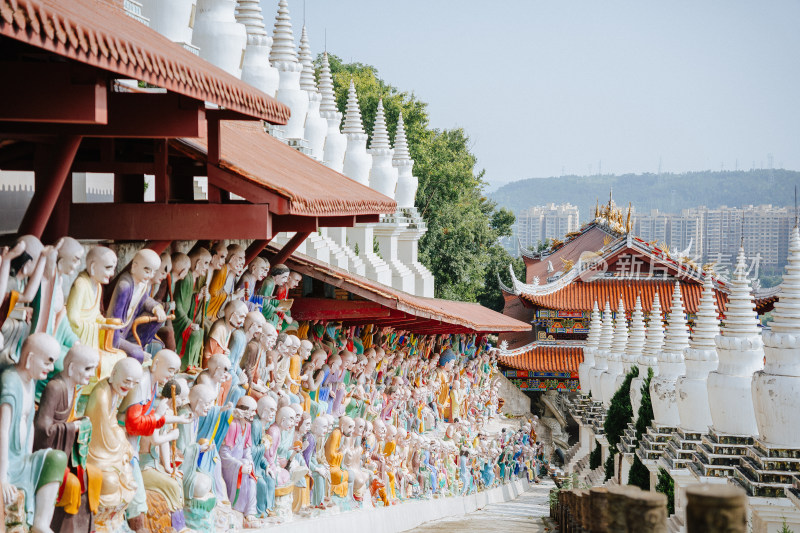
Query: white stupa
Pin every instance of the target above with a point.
(220, 38)
(636, 340)
(357, 162)
(776, 396)
(382, 175)
(284, 58)
(700, 359)
(741, 353)
(649, 358)
(670, 364)
(589, 349)
(171, 19)
(316, 127)
(256, 69)
(601, 355)
(335, 140)
(407, 183)
(608, 379)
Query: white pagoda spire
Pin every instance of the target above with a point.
(700, 358)
(636, 341)
(775, 388)
(649, 358)
(609, 378)
(357, 162)
(670, 364)
(256, 69)
(589, 349)
(407, 183)
(284, 57)
(221, 39)
(601, 355)
(316, 127)
(382, 175)
(335, 140)
(741, 353)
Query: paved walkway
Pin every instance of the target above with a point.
(523, 515)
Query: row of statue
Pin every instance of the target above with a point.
(195, 401)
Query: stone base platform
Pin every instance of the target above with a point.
(680, 449)
(765, 471)
(718, 454)
(401, 517)
(653, 443)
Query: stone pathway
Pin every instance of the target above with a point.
(523, 515)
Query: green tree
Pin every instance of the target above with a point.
(620, 412)
(461, 246)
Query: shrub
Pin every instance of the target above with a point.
(596, 457)
(645, 415)
(609, 466)
(639, 475)
(666, 486)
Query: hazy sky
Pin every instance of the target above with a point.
(546, 87)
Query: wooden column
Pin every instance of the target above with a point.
(254, 249)
(52, 167)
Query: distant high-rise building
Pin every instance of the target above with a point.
(546, 222)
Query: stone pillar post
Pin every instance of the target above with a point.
(715, 509)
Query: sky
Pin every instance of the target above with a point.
(583, 87)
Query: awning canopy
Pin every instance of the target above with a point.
(100, 34)
(262, 169)
(360, 301)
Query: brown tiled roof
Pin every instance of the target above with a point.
(464, 314)
(546, 359)
(100, 34)
(311, 188)
(591, 240)
(580, 296)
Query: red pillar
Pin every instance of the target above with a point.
(290, 247)
(254, 249)
(51, 166)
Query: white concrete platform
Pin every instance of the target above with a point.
(401, 517)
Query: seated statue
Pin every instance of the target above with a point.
(83, 309)
(38, 474)
(131, 301)
(188, 312)
(58, 426)
(109, 449)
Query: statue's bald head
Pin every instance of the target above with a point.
(80, 361)
(33, 246)
(69, 256)
(144, 265)
(101, 263)
(39, 353)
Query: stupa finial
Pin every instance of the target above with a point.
(595, 326)
(655, 331)
(786, 316)
(380, 136)
(706, 324)
(401, 153)
(283, 49)
(620, 330)
(307, 80)
(352, 118)
(637, 336)
(676, 338)
(607, 331)
(741, 319)
(328, 104)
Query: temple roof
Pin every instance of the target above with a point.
(102, 35)
(395, 308)
(311, 188)
(545, 358)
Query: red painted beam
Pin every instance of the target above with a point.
(51, 93)
(293, 223)
(52, 167)
(330, 309)
(368, 219)
(250, 191)
(289, 248)
(170, 222)
(255, 248)
(148, 115)
(336, 222)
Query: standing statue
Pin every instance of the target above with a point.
(83, 310)
(165, 293)
(58, 426)
(188, 307)
(131, 302)
(334, 455)
(38, 474)
(237, 462)
(274, 290)
(255, 273)
(266, 408)
(215, 280)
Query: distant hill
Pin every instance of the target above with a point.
(666, 192)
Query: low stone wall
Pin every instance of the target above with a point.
(516, 402)
(401, 517)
